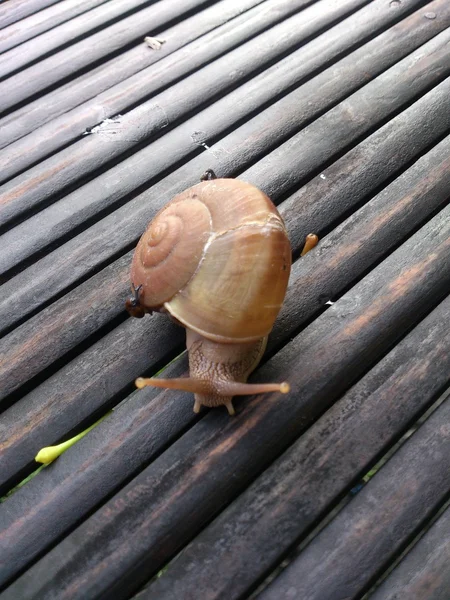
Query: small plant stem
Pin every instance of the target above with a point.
(48, 454)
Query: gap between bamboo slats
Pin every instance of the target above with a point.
(46, 19)
(52, 274)
(378, 523)
(424, 572)
(139, 529)
(192, 36)
(62, 35)
(289, 498)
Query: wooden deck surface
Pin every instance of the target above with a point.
(340, 111)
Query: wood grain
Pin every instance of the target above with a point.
(117, 231)
(66, 63)
(190, 37)
(160, 510)
(361, 540)
(423, 573)
(276, 511)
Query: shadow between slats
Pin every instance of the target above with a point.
(285, 502)
(189, 37)
(64, 35)
(424, 572)
(366, 534)
(162, 508)
(46, 19)
(124, 226)
(57, 68)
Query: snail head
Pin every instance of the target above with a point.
(133, 304)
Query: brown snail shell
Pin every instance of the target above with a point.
(217, 258)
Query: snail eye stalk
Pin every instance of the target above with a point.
(133, 305)
(208, 175)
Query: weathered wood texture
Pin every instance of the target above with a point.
(284, 118)
(46, 19)
(118, 231)
(14, 10)
(424, 572)
(189, 37)
(56, 67)
(50, 41)
(340, 111)
(342, 560)
(149, 520)
(410, 199)
(324, 200)
(224, 73)
(289, 498)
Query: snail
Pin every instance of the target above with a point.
(217, 260)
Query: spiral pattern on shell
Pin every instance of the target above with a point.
(217, 257)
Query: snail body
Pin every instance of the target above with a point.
(217, 259)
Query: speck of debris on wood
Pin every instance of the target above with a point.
(154, 43)
(104, 126)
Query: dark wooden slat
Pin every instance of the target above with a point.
(69, 61)
(424, 572)
(288, 498)
(136, 432)
(69, 397)
(14, 10)
(30, 27)
(44, 279)
(42, 182)
(368, 532)
(365, 237)
(63, 325)
(341, 187)
(57, 329)
(140, 528)
(345, 254)
(49, 42)
(191, 37)
(186, 95)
